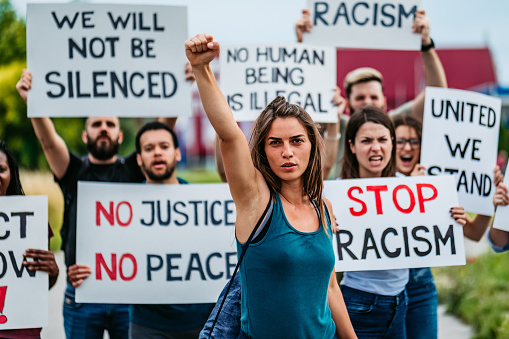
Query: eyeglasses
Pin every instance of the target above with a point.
(401, 142)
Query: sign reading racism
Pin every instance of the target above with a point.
(460, 137)
(97, 59)
(364, 24)
(253, 75)
(388, 223)
(23, 293)
(155, 244)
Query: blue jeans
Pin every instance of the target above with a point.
(89, 321)
(228, 323)
(376, 316)
(421, 317)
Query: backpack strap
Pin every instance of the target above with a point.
(246, 245)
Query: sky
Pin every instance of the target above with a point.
(453, 23)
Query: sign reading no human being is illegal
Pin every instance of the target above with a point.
(104, 59)
(254, 75)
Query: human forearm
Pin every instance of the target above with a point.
(498, 237)
(331, 141)
(475, 229)
(53, 145)
(433, 69)
(215, 105)
(344, 328)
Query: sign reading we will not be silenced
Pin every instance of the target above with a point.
(389, 223)
(460, 137)
(103, 60)
(155, 244)
(376, 24)
(23, 293)
(253, 75)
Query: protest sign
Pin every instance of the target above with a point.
(155, 244)
(389, 223)
(23, 293)
(104, 59)
(253, 75)
(501, 219)
(370, 24)
(460, 137)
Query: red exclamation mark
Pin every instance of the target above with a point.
(3, 291)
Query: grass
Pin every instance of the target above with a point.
(478, 293)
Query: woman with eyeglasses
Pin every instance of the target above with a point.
(421, 317)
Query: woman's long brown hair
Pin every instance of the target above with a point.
(312, 178)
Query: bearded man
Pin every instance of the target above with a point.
(102, 135)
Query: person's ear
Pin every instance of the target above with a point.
(352, 146)
(138, 159)
(178, 156)
(120, 137)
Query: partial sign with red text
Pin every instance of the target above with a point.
(23, 293)
(389, 223)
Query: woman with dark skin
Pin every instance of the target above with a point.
(42, 260)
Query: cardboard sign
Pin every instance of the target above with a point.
(254, 75)
(389, 223)
(155, 244)
(501, 219)
(105, 59)
(23, 293)
(460, 137)
(370, 24)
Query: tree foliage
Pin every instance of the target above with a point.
(12, 35)
(15, 127)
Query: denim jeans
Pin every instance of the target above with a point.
(421, 317)
(228, 323)
(376, 316)
(89, 321)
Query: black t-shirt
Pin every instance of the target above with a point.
(123, 170)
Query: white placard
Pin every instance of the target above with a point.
(105, 59)
(364, 24)
(155, 244)
(23, 293)
(501, 219)
(460, 136)
(253, 75)
(389, 223)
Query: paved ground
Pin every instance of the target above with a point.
(448, 326)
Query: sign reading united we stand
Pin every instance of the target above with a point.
(460, 138)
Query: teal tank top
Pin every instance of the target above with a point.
(285, 278)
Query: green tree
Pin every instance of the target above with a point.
(12, 34)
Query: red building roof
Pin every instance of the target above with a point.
(403, 71)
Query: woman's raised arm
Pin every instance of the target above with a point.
(247, 186)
